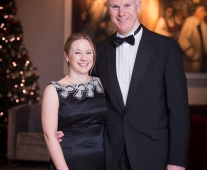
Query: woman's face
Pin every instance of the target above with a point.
(80, 57)
(169, 12)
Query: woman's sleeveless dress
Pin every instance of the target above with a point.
(81, 116)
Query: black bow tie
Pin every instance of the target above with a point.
(118, 40)
(130, 39)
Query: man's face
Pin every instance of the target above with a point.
(200, 13)
(124, 14)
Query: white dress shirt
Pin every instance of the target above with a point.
(125, 58)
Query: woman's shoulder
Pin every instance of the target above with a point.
(61, 82)
(49, 91)
(95, 78)
(161, 19)
(97, 82)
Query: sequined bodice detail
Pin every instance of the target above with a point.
(79, 89)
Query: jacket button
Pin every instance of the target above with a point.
(125, 119)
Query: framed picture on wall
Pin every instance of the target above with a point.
(172, 18)
(186, 22)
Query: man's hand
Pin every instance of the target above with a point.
(59, 135)
(174, 167)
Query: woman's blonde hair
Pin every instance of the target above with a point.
(78, 36)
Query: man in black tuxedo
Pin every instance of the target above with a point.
(147, 125)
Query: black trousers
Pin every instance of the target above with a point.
(123, 161)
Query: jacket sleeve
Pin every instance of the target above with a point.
(177, 105)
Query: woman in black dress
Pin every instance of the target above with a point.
(75, 105)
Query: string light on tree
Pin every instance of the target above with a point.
(1, 114)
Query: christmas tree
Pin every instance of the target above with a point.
(18, 79)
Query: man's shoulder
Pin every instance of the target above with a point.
(156, 38)
(104, 42)
(192, 20)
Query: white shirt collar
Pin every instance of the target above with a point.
(131, 33)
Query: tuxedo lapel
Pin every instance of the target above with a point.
(144, 53)
(111, 64)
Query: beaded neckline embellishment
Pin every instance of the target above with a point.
(79, 89)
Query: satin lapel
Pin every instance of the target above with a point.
(111, 63)
(144, 53)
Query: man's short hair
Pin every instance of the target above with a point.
(194, 6)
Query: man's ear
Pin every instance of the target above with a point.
(107, 6)
(139, 5)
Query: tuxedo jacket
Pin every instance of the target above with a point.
(154, 123)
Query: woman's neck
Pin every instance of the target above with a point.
(77, 79)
